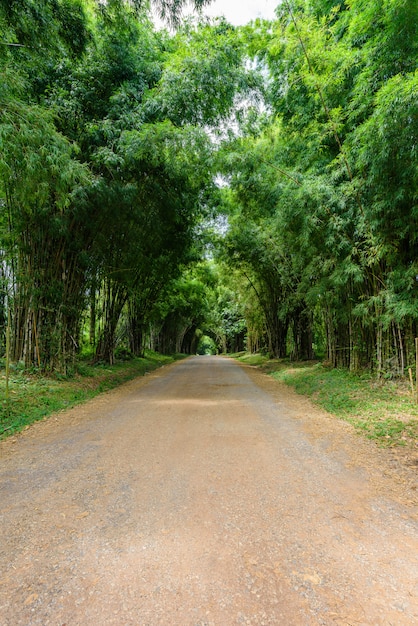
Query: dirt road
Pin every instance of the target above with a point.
(204, 494)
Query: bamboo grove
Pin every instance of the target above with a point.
(323, 203)
(256, 184)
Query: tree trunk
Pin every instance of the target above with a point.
(115, 298)
(302, 335)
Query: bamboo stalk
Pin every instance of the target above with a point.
(411, 380)
(36, 340)
(416, 369)
(8, 362)
(401, 350)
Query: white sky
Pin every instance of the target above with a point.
(237, 12)
(240, 12)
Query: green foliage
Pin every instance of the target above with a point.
(203, 76)
(60, 26)
(331, 181)
(168, 10)
(206, 346)
(182, 310)
(36, 166)
(226, 317)
(96, 189)
(384, 412)
(385, 150)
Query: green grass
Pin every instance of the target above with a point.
(381, 410)
(34, 396)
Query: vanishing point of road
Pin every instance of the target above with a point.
(202, 494)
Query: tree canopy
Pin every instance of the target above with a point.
(257, 184)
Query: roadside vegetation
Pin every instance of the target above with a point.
(382, 410)
(33, 396)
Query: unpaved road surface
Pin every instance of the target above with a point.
(203, 494)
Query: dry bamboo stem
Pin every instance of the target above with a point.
(416, 369)
(7, 360)
(36, 340)
(411, 380)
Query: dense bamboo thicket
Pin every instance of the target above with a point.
(323, 204)
(256, 185)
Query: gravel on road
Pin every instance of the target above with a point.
(205, 494)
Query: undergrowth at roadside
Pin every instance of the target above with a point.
(33, 396)
(384, 411)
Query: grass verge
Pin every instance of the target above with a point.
(384, 411)
(33, 396)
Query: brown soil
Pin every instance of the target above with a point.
(205, 494)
